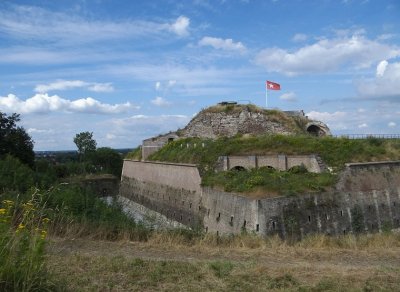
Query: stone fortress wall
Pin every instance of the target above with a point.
(312, 163)
(366, 199)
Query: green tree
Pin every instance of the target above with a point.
(14, 175)
(107, 160)
(85, 143)
(14, 140)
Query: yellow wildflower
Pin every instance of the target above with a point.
(46, 220)
(43, 234)
(2, 211)
(8, 202)
(28, 206)
(21, 226)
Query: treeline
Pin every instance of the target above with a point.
(19, 170)
(36, 200)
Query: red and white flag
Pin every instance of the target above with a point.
(273, 86)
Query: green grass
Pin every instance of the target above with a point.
(135, 154)
(334, 151)
(267, 180)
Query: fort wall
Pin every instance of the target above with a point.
(279, 162)
(366, 199)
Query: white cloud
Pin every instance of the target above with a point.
(110, 136)
(43, 103)
(34, 23)
(180, 26)
(391, 124)
(171, 83)
(160, 101)
(327, 117)
(385, 86)
(222, 44)
(158, 85)
(71, 84)
(299, 37)
(326, 55)
(145, 126)
(101, 87)
(290, 96)
(363, 125)
(380, 69)
(40, 131)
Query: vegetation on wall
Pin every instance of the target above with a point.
(335, 152)
(268, 180)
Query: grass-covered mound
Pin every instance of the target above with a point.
(335, 152)
(265, 181)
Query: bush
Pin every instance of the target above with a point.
(14, 175)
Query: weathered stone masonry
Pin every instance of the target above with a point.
(367, 199)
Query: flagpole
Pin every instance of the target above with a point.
(266, 96)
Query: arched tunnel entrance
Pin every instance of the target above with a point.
(315, 129)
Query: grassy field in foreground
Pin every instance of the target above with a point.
(246, 264)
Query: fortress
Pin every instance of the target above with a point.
(366, 197)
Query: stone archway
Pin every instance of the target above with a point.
(317, 129)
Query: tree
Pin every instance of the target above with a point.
(14, 175)
(85, 143)
(14, 140)
(107, 160)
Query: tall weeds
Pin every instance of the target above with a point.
(23, 230)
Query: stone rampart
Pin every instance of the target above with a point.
(179, 176)
(354, 207)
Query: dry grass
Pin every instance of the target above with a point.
(245, 263)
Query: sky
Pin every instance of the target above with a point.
(129, 70)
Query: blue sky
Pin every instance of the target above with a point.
(128, 70)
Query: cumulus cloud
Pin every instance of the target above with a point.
(386, 85)
(363, 125)
(180, 26)
(222, 44)
(43, 103)
(391, 124)
(290, 96)
(326, 55)
(71, 84)
(160, 101)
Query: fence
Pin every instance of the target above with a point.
(366, 136)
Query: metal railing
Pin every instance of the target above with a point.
(366, 136)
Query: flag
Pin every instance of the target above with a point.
(273, 86)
